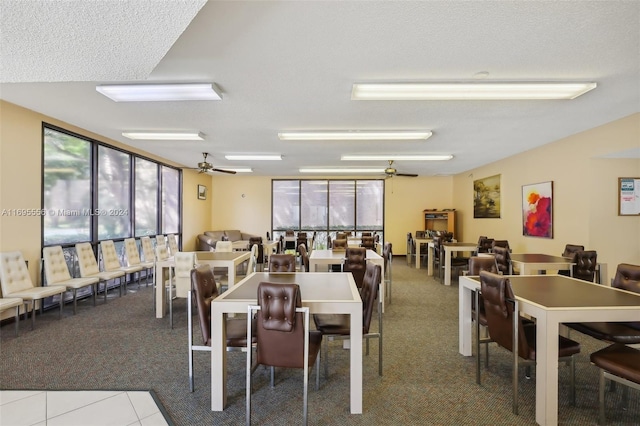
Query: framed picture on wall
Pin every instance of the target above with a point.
(202, 192)
(486, 197)
(537, 210)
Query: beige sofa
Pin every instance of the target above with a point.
(207, 240)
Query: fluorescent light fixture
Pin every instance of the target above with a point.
(338, 170)
(254, 157)
(356, 135)
(164, 136)
(160, 92)
(239, 169)
(397, 157)
(469, 91)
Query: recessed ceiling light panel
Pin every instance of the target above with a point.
(417, 157)
(249, 157)
(470, 91)
(355, 135)
(164, 136)
(160, 92)
(339, 170)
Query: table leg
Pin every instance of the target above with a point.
(429, 260)
(418, 255)
(447, 267)
(218, 360)
(547, 371)
(464, 320)
(158, 278)
(356, 361)
(231, 274)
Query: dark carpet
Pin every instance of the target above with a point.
(122, 346)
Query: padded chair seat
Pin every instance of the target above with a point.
(10, 302)
(332, 323)
(39, 292)
(615, 332)
(619, 360)
(566, 347)
(78, 282)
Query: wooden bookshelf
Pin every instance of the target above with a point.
(438, 220)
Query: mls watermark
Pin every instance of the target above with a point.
(64, 212)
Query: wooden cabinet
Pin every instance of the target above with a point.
(438, 220)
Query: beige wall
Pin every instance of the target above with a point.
(405, 198)
(21, 183)
(585, 209)
(585, 191)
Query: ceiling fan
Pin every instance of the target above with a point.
(391, 172)
(205, 167)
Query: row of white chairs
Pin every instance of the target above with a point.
(18, 289)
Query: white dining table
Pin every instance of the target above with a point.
(323, 293)
(450, 248)
(229, 260)
(419, 242)
(551, 300)
(533, 263)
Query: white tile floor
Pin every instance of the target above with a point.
(82, 408)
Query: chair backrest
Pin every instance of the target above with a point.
(55, 265)
(14, 275)
(172, 242)
(482, 263)
(288, 233)
(627, 277)
(339, 243)
(503, 259)
(224, 246)
(86, 260)
(368, 242)
(251, 264)
(282, 263)
(484, 244)
(571, 249)
(109, 255)
(387, 254)
(184, 263)
(147, 249)
(162, 253)
(356, 262)
(500, 243)
(496, 293)
(305, 257)
(203, 285)
(585, 267)
(366, 234)
(131, 252)
(341, 236)
(279, 328)
(257, 241)
(161, 240)
(369, 294)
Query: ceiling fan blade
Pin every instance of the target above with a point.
(406, 174)
(231, 172)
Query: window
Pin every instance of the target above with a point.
(327, 207)
(95, 192)
(67, 188)
(146, 197)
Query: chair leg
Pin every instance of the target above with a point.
(33, 314)
(272, 374)
(190, 341)
(515, 381)
(318, 371)
(61, 303)
(95, 293)
(75, 301)
(601, 419)
(573, 380)
(17, 319)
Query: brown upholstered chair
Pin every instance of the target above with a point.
(260, 253)
(410, 248)
(283, 335)
(282, 263)
(302, 239)
(501, 309)
(304, 256)
(368, 243)
(339, 244)
(503, 259)
(204, 289)
(341, 236)
(585, 265)
(356, 262)
(477, 264)
(366, 234)
(500, 243)
(627, 278)
(618, 363)
(571, 249)
(484, 244)
(338, 326)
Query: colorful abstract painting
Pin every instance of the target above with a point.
(537, 210)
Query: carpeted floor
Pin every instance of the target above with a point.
(122, 346)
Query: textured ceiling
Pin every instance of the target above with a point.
(290, 66)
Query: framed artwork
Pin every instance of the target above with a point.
(537, 210)
(486, 197)
(202, 192)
